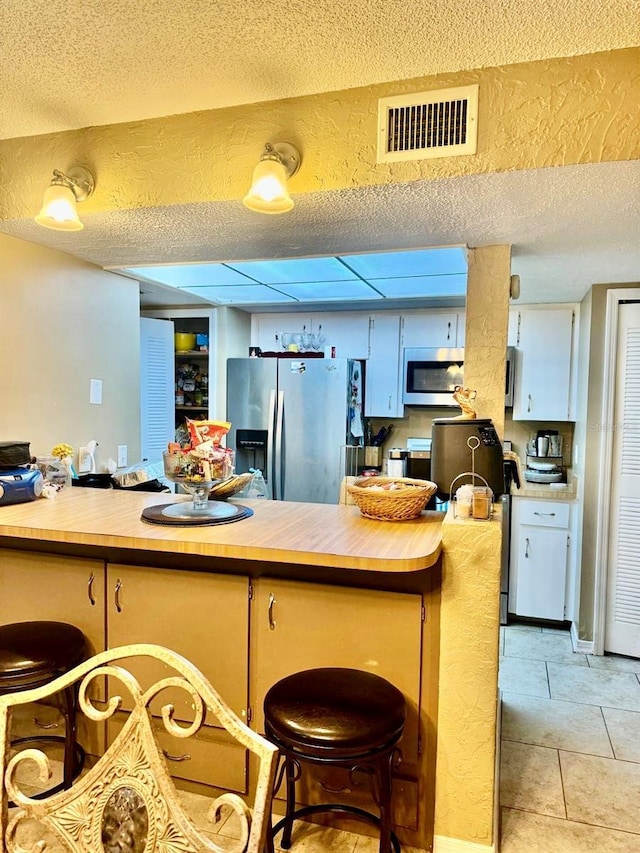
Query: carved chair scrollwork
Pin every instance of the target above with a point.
(127, 802)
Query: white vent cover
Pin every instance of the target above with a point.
(428, 124)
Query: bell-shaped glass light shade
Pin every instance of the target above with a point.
(268, 193)
(59, 209)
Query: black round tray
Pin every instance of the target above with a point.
(154, 515)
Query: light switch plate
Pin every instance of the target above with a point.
(122, 456)
(95, 391)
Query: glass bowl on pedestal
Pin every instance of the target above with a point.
(195, 475)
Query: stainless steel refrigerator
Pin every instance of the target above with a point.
(300, 421)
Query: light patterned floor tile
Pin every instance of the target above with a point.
(311, 838)
(624, 731)
(542, 646)
(530, 779)
(594, 686)
(615, 662)
(601, 791)
(524, 832)
(560, 725)
(516, 675)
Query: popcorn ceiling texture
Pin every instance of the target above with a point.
(169, 190)
(70, 65)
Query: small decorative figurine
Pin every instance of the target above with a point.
(465, 398)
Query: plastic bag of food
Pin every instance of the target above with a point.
(213, 431)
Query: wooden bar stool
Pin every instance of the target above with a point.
(342, 718)
(32, 654)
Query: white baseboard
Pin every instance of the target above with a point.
(583, 647)
(444, 844)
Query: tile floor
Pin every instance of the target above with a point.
(570, 770)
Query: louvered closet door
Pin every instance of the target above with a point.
(622, 632)
(157, 396)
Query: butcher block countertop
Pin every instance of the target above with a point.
(333, 536)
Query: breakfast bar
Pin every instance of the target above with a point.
(290, 587)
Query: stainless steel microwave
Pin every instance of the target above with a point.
(430, 376)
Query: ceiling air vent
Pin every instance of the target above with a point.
(428, 124)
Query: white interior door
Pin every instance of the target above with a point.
(622, 627)
(157, 384)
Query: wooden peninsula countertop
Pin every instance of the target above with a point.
(327, 535)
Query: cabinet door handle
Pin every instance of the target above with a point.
(117, 595)
(389, 402)
(169, 757)
(529, 403)
(549, 514)
(526, 550)
(272, 601)
(449, 330)
(90, 595)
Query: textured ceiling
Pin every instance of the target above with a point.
(66, 65)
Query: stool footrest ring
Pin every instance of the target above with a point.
(77, 770)
(298, 814)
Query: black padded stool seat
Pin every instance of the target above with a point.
(341, 717)
(34, 653)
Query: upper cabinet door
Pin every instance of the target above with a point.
(543, 383)
(347, 331)
(383, 378)
(430, 329)
(269, 331)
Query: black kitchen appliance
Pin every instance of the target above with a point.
(451, 454)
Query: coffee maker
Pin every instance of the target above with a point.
(452, 440)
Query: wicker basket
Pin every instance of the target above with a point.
(399, 504)
(231, 486)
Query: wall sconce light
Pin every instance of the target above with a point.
(268, 193)
(59, 202)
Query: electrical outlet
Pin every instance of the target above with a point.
(122, 456)
(84, 460)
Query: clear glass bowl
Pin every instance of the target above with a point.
(194, 475)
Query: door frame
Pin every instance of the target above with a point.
(605, 473)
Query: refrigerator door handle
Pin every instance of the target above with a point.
(270, 473)
(278, 482)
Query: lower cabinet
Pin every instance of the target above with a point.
(46, 587)
(540, 547)
(297, 626)
(205, 618)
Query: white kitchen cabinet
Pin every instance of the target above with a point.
(205, 618)
(383, 377)
(544, 365)
(430, 329)
(347, 331)
(540, 549)
(267, 329)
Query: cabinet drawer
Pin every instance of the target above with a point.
(545, 513)
(211, 757)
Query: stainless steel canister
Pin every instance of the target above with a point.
(397, 462)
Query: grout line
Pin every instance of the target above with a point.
(606, 728)
(564, 796)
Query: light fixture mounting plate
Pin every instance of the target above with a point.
(289, 156)
(83, 182)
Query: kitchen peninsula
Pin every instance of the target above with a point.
(291, 587)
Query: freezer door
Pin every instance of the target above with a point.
(314, 400)
(251, 396)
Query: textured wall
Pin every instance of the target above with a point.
(487, 319)
(469, 632)
(548, 113)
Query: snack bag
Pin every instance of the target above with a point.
(213, 431)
